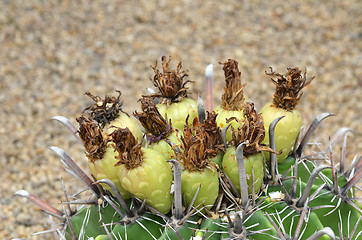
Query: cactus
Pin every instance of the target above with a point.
(205, 182)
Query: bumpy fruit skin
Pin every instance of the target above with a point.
(178, 112)
(190, 182)
(286, 131)
(254, 161)
(105, 169)
(151, 180)
(223, 115)
(164, 148)
(125, 121)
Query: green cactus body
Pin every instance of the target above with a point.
(105, 169)
(253, 162)
(210, 229)
(258, 222)
(290, 219)
(343, 213)
(209, 181)
(187, 230)
(178, 111)
(146, 227)
(286, 131)
(329, 216)
(151, 180)
(94, 226)
(304, 170)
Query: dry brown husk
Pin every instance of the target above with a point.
(156, 126)
(288, 87)
(233, 97)
(170, 82)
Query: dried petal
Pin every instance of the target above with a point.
(150, 118)
(104, 110)
(199, 143)
(170, 83)
(251, 131)
(129, 151)
(233, 97)
(91, 135)
(288, 87)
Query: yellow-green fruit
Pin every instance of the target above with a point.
(151, 180)
(163, 147)
(217, 159)
(105, 169)
(125, 121)
(224, 114)
(286, 131)
(190, 182)
(253, 162)
(178, 112)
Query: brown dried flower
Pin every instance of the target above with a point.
(251, 131)
(199, 143)
(157, 126)
(170, 83)
(93, 140)
(233, 97)
(129, 151)
(104, 110)
(288, 87)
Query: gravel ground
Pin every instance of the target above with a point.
(51, 52)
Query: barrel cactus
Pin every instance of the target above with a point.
(212, 176)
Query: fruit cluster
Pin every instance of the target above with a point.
(173, 130)
(175, 171)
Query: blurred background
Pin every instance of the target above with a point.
(51, 52)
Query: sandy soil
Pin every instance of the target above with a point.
(51, 52)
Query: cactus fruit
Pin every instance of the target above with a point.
(173, 95)
(206, 185)
(286, 97)
(159, 132)
(251, 132)
(233, 100)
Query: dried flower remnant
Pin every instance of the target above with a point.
(288, 87)
(156, 126)
(211, 131)
(129, 150)
(91, 135)
(170, 83)
(251, 131)
(104, 110)
(200, 142)
(233, 97)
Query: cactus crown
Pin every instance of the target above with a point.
(129, 151)
(300, 200)
(157, 126)
(104, 110)
(199, 143)
(233, 97)
(288, 87)
(250, 131)
(170, 83)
